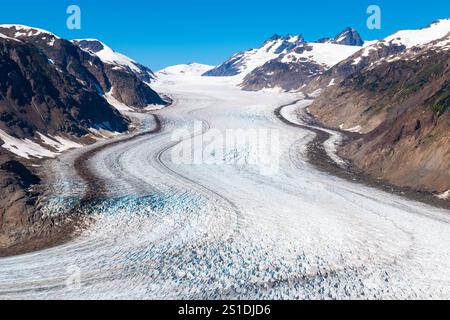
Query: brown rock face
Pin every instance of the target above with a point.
(130, 90)
(16, 203)
(402, 110)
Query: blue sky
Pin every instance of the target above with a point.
(159, 33)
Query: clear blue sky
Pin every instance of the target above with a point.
(159, 33)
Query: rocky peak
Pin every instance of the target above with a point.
(93, 45)
(348, 37)
(278, 44)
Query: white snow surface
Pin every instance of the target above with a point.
(49, 147)
(412, 38)
(326, 54)
(24, 148)
(445, 195)
(198, 231)
(191, 69)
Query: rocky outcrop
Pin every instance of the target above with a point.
(348, 37)
(16, 201)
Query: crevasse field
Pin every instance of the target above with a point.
(197, 231)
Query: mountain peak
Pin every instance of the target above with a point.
(274, 38)
(279, 44)
(349, 37)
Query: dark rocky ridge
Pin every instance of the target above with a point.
(348, 37)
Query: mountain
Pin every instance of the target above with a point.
(129, 80)
(38, 97)
(53, 91)
(121, 82)
(399, 105)
(191, 69)
(375, 51)
(303, 63)
(109, 56)
(244, 62)
(348, 37)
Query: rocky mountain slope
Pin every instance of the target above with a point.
(400, 106)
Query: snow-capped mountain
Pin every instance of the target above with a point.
(109, 73)
(386, 49)
(348, 37)
(191, 69)
(53, 93)
(41, 101)
(245, 62)
(109, 56)
(302, 63)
